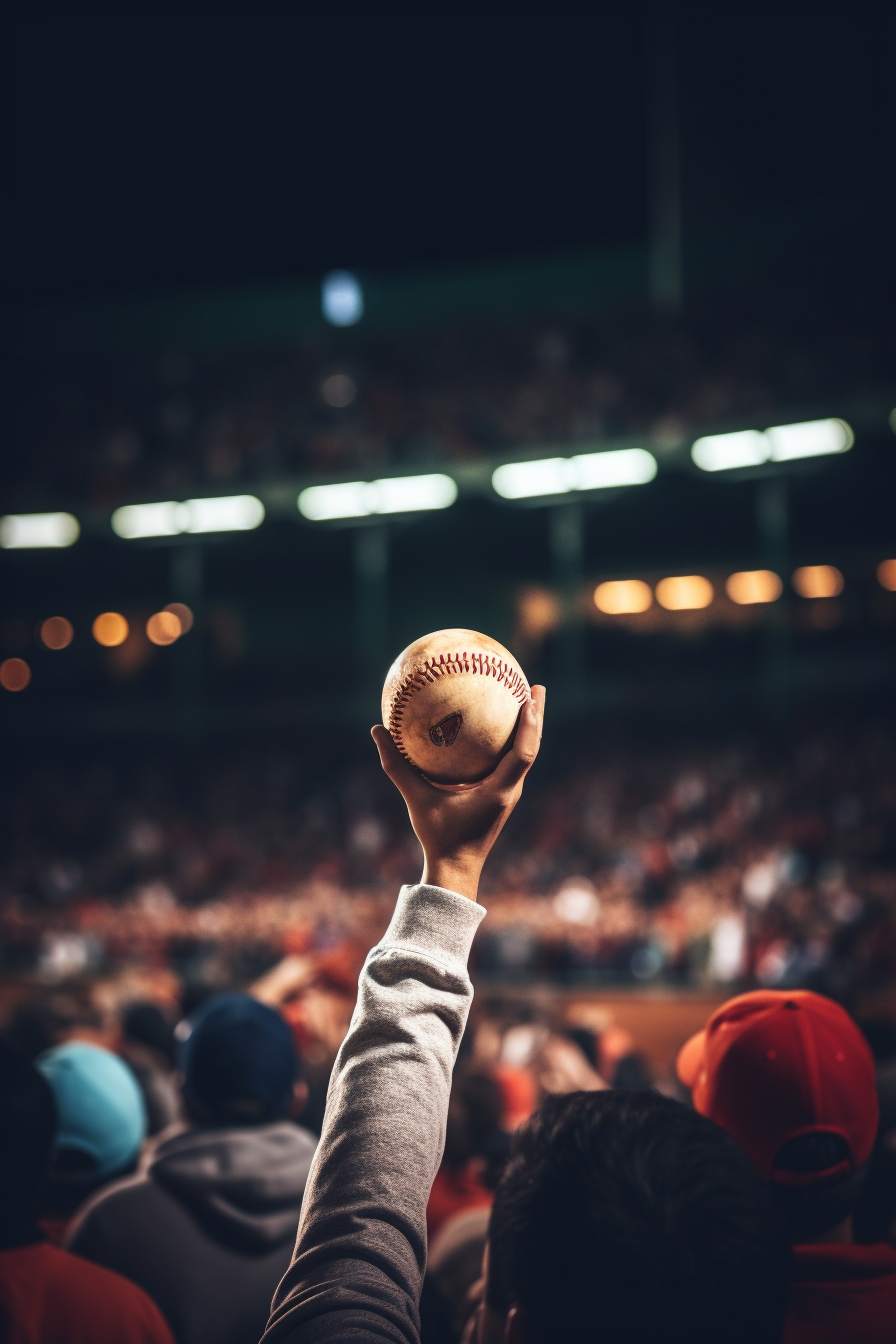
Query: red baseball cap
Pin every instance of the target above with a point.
(774, 1065)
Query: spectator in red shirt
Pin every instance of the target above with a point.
(48, 1296)
(790, 1076)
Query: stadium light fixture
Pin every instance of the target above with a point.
(813, 438)
(684, 592)
(623, 597)
(225, 513)
(361, 499)
(585, 471)
(342, 299)
(724, 452)
(751, 586)
(782, 443)
(817, 581)
(38, 531)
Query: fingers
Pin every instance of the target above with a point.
(405, 778)
(522, 754)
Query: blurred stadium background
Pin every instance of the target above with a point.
(649, 446)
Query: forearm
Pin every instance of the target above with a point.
(361, 1249)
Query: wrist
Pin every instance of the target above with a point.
(460, 875)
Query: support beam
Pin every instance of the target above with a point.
(371, 561)
(773, 539)
(566, 533)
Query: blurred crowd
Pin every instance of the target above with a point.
(110, 431)
(754, 858)
(181, 942)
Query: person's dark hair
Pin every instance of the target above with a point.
(147, 1025)
(27, 1127)
(473, 1128)
(812, 1207)
(625, 1216)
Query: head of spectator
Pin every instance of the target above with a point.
(145, 1025)
(101, 1122)
(625, 1215)
(238, 1061)
(790, 1076)
(147, 1043)
(27, 1129)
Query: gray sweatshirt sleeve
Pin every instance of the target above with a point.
(360, 1255)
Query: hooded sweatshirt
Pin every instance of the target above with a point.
(207, 1229)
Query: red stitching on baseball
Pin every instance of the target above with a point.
(428, 672)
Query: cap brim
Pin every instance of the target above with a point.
(690, 1059)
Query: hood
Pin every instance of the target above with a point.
(244, 1186)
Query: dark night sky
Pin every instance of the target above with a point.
(162, 149)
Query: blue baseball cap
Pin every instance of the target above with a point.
(100, 1107)
(238, 1059)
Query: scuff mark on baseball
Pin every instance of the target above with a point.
(451, 702)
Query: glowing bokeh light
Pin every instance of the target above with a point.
(219, 513)
(751, 586)
(585, 471)
(37, 531)
(623, 597)
(684, 592)
(886, 575)
(163, 628)
(339, 390)
(56, 632)
(392, 494)
(110, 629)
(342, 299)
(818, 581)
(15, 674)
(183, 614)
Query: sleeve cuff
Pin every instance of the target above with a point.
(434, 921)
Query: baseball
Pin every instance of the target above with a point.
(451, 702)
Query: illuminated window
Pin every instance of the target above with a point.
(818, 581)
(886, 575)
(163, 628)
(110, 629)
(684, 592)
(15, 674)
(623, 597)
(749, 586)
(56, 632)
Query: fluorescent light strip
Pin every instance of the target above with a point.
(782, 443)
(585, 471)
(225, 513)
(38, 531)
(391, 494)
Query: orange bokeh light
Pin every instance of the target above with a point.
(753, 585)
(56, 632)
(886, 575)
(163, 628)
(110, 629)
(183, 614)
(15, 674)
(818, 581)
(684, 592)
(623, 597)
